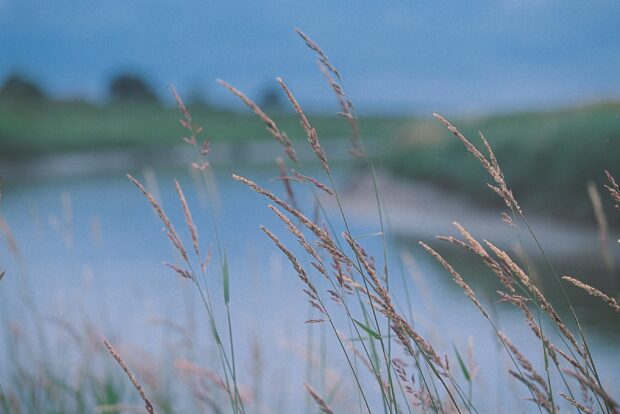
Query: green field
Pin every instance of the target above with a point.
(42, 127)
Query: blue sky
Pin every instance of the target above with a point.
(405, 56)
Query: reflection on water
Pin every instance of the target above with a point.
(90, 253)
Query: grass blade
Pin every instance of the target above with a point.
(226, 277)
(368, 330)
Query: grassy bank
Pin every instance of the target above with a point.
(548, 157)
(31, 128)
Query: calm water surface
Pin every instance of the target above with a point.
(91, 252)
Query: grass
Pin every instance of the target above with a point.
(393, 365)
(376, 310)
(39, 128)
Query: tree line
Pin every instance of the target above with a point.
(123, 87)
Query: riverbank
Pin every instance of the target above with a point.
(548, 158)
(33, 128)
(418, 210)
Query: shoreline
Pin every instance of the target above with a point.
(420, 211)
(417, 210)
(113, 160)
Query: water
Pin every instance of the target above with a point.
(91, 252)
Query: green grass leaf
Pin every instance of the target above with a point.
(462, 364)
(368, 330)
(226, 277)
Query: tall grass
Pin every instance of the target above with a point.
(394, 365)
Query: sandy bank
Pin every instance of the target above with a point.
(421, 211)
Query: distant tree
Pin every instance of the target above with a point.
(18, 87)
(271, 98)
(128, 87)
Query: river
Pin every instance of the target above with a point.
(89, 259)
